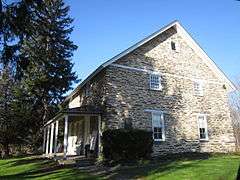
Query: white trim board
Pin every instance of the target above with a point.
(182, 32)
(156, 111)
(165, 74)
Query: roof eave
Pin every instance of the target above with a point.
(140, 43)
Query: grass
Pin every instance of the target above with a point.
(38, 168)
(215, 167)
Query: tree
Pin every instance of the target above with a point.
(6, 123)
(48, 50)
(235, 113)
(13, 19)
(13, 128)
(35, 64)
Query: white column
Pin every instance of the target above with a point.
(86, 129)
(65, 136)
(56, 138)
(51, 140)
(99, 135)
(69, 138)
(44, 140)
(47, 145)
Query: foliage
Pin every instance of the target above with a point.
(48, 51)
(127, 144)
(15, 113)
(36, 50)
(235, 113)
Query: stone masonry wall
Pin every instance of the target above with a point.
(124, 94)
(127, 96)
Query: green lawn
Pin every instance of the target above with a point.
(219, 167)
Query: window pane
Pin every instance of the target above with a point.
(157, 125)
(202, 124)
(198, 88)
(156, 120)
(201, 121)
(202, 133)
(154, 81)
(160, 135)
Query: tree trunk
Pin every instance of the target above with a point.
(6, 151)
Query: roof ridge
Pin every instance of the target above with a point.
(143, 41)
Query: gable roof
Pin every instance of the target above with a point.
(184, 34)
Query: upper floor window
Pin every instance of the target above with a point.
(198, 88)
(155, 82)
(158, 126)
(202, 126)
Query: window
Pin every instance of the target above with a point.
(198, 88)
(202, 126)
(173, 46)
(158, 126)
(155, 82)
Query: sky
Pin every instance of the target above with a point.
(104, 28)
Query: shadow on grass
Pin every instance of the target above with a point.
(179, 166)
(31, 168)
(38, 167)
(163, 165)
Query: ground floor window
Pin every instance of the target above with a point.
(158, 126)
(202, 126)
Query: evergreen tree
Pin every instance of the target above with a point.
(35, 66)
(12, 22)
(48, 50)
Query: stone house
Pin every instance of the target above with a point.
(165, 84)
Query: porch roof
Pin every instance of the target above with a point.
(82, 110)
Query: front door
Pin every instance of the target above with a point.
(72, 139)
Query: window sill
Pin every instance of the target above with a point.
(159, 140)
(203, 140)
(199, 95)
(156, 89)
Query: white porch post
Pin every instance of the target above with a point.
(99, 135)
(51, 140)
(65, 136)
(56, 137)
(47, 145)
(44, 140)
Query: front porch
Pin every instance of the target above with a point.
(73, 132)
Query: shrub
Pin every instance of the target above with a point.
(126, 144)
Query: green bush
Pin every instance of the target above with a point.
(126, 144)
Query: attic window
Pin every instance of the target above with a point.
(173, 46)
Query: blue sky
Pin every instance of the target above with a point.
(104, 28)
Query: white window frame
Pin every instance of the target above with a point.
(161, 116)
(205, 126)
(198, 87)
(155, 75)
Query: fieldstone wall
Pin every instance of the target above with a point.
(128, 96)
(124, 95)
